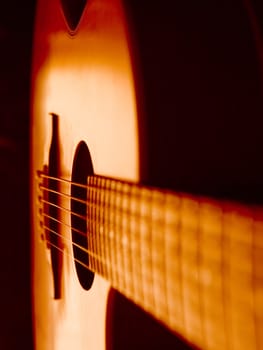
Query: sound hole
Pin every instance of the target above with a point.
(82, 167)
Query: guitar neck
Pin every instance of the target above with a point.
(193, 263)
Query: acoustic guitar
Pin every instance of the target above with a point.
(122, 259)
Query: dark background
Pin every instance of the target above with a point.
(16, 23)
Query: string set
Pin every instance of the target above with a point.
(201, 276)
(95, 262)
(91, 221)
(94, 209)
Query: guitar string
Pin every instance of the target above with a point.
(225, 205)
(108, 269)
(96, 267)
(43, 175)
(103, 187)
(46, 189)
(89, 204)
(85, 234)
(95, 260)
(92, 187)
(109, 275)
(147, 219)
(107, 223)
(119, 283)
(96, 222)
(85, 250)
(82, 217)
(120, 241)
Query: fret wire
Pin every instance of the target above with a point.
(146, 241)
(103, 227)
(108, 210)
(152, 262)
(180, 230)
(201, 293)
(119, 232)
(114, 236)
(91, 221)
(164, 247)
(200, 334)
(108, 230)
(96, 223)
(226, 286)
(191, 290)
(212, 269)
(174, 285)
(95, 208)
(159, 284)
(133, 226)
(246, 276)
(126, 231)
(162, 205)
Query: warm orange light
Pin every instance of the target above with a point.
(87, 80)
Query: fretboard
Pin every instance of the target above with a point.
(193, 263)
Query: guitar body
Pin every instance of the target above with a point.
(90, 77)
(87, 79)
